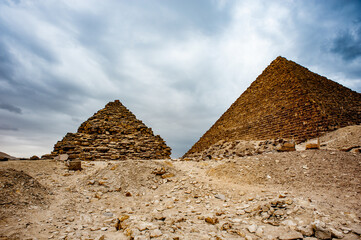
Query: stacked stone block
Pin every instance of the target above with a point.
(286, 101)
(112, 133)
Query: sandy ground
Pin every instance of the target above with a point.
(172, 199)
(314, 194)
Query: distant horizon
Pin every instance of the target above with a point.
(177, 65)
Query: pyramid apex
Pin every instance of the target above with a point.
(280, 59)
(116, 103)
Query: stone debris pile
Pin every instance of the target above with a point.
(241, 148)
(112, 133)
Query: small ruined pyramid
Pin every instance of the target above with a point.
(112, 133)
(286, 101)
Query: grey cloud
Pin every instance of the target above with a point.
(10, 108)
(8, 128)
(28, 41)
(6, 63)
(348, 43)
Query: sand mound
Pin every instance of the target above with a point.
(343, 138)
(347, 139)
(18, 190)
(315, 170)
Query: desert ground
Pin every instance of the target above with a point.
(305, 194)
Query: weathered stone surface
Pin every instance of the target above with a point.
(74, 165)
(211, 220)
(290, 235)
(63, 157)
(310, 146)
(351, 237)
(321, 232)
(112, 133)
(357, 230)
(287, 147)
(252, 228)
(286, 101)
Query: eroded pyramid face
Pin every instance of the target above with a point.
(286, 101)
(113, 133)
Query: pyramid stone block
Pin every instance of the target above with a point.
(286, 101)
(112, 133)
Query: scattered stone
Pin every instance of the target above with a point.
(159, 171)
(63, 157)
(356, 229)
(74, 165)
(120, 220)
(101, 237)
(211, 220)
(351, 237)
(91, 182)
(252, 228)
(335, 233)
(287, 147)
(305, 230)
(312, 146)
(167, 175)
(259, 231)
(321, 232)
(291, 235)
(108, 214)
(34, 157)
(220, 196)
(248, 237)
(155, 233)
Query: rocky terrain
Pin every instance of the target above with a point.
(313, 194)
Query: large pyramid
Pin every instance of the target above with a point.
(286, 101)
(112, 133)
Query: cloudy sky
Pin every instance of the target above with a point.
(176, 64)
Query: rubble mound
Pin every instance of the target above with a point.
(18, 190)
(130, 177)
(347, 139)
(286, 101)
(112, 133)
(239, 148)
